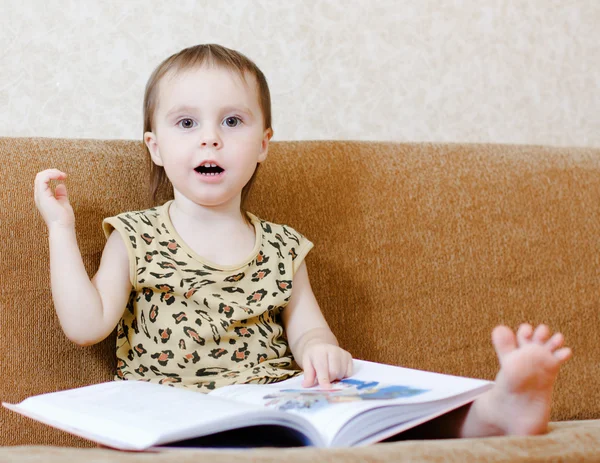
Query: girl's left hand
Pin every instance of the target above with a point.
(323, 363)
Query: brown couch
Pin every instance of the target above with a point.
(420, 249)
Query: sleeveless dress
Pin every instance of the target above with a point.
(191, 323)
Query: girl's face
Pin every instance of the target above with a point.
(208, 134)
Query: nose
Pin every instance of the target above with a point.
(210, 139)
(213, 142)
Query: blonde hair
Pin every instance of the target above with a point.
(193, 58)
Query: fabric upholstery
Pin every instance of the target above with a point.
(574, 441)
(420, 250)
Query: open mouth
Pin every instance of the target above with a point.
(209, 169)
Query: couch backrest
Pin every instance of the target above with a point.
(420, 249)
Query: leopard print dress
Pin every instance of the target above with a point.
(195, 324)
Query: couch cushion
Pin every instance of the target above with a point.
(567, 442)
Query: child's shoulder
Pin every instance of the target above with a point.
(150, 213)
(278, 231)
(135, 221)
(284, 240)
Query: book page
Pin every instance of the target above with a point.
(412, 393)
(134, 415)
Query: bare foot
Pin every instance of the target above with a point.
(519, 402)
(529, 363)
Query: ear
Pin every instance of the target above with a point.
(264, 146)
(150, 140)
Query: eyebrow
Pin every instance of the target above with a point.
(191, 109)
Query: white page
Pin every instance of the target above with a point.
(133, 415)
(329, 418)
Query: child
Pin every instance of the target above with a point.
(204, 294)
(203, 284)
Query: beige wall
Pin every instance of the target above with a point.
(435, 70)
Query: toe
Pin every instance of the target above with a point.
(555, 341)
(563, 354)
(524, 333)
(504, 340)
(541, 334)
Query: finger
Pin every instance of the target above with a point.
(309, 373)
(346, 365)
(541, 334)
(321, 366)
(61, 192)
(524, 333)
(563, 354)
(50, 174)
(337, 364)
(555, 341)
(323, 379)
(42, 180)
(349, 367)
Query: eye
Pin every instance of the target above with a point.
(232, 121)
(186, 123)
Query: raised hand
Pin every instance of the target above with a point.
(54, 206)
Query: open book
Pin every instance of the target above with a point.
(377, 402)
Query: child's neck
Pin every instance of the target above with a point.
(220, 235)
(207, 217)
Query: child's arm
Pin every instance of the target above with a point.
(311, 341)
(88, 310)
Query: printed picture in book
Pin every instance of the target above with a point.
(346, 390)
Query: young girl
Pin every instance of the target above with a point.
(204, 294)
(203, 284)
